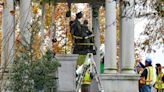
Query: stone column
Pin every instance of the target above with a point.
(127, 37)
(25, 20)
(11, 36)
(110, 37)
(7, 43)
(96, 32)
(7, 32)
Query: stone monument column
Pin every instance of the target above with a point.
(25, 20)
(96, 32)
(127, 37)
(126, 81)
(110, 37)
(8, 36)
(7, 32)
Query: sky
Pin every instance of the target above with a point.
(157, 57)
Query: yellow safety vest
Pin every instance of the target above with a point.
(149, 79)
(87, 78)
(159, 83)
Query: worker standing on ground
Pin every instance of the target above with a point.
(159, 84)
(147, 76)
(139, 70)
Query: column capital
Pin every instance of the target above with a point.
(127, 8)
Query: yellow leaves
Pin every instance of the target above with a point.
(36, 46)
(118, 23)
(35, 9)
(102, 23)
(56, 48)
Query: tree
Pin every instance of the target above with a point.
(153, 35)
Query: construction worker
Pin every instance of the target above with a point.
(147, 75)
(159, 84)
(85, 86)
(139, 70)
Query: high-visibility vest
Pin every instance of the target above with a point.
(159, 83)
(149, 79)
(87, 78)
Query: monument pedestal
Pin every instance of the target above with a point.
(67, 72)
(120, 82)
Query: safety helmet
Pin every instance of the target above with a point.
(149, 61)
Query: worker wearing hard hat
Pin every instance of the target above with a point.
(159, 84)
(85, 85)
(147, 76)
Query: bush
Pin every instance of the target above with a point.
(33, 76)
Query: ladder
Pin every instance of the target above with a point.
(89, 64)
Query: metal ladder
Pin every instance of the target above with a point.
(89, 63)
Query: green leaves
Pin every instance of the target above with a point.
(31, 76)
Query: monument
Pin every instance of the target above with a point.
(124, 80)
(83, 38)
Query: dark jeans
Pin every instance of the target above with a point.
(140, 89)
(146, 88)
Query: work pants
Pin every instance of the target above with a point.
(85, 88)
